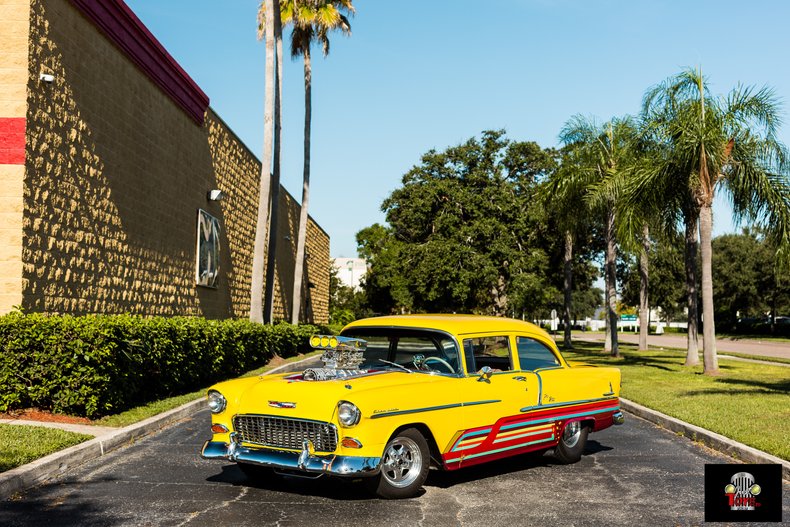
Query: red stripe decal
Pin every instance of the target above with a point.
(12, 140)
(538, 418)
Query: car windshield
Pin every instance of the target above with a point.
(414, 349)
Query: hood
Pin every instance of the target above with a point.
(288, 395)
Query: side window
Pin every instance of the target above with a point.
(493, 352)
(533, 354)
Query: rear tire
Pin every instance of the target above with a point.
(571, 445)
(404, 466)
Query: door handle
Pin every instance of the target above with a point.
(519, 378)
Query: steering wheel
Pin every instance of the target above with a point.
(440, 360)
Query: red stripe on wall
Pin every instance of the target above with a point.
(12, 140)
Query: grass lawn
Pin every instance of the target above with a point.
(761, 338)
(746, 356)
(747, 402)
(22, 444)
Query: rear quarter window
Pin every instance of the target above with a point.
(533, 354)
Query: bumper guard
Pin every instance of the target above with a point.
(306, 461)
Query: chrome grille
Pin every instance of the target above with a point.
(279, 432)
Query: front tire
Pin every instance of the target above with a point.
(404, 466)
(574, 437)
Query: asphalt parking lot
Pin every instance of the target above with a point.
(635, 474)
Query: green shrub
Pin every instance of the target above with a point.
(96, 365)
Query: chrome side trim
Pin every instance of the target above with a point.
(433, 408)
(568, 403)
(540, 389)
(298, 461)
(618, 418)
(570, 416)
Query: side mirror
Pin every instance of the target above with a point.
(485, 374)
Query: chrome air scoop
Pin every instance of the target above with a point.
(342, 357)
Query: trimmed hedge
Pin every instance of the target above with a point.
(96, 365)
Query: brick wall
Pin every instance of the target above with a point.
(14, 31)
(115, 173)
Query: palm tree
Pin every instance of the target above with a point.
(312, 22)
(718, 143)
(564, 191)
(636, 214)
(271, 124)
(605, 150)
(633, 233)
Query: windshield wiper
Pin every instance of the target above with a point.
(404, 368)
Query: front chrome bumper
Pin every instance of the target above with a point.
(618, 418)
(349, 466)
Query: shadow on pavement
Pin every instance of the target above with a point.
(74, 508)
(340, 489)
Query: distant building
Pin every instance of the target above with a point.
(350, 271)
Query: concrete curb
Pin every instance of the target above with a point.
(55, 464)
(710, 439)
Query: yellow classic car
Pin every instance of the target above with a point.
(398, 395)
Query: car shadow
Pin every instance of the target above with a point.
(343, 489)
(339, 489)
(448, 479)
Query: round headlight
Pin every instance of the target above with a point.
(216, 401)
(347, 413)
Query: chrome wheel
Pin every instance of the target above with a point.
(402, 462)
(571, 434)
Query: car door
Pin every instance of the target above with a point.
(492, 401)
(559, 384)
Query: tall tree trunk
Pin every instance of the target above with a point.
(692, 350)
(274, 223)
(264, 191)
(644, 304)
(302, 236)
(773, 305)
(567, 287)
(607, 338)
(710, 360)
(611, 280)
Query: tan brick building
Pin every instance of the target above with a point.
(108, 151)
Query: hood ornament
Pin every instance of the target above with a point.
(281, 404)
(342, 357)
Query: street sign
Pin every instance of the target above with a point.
(628, 318)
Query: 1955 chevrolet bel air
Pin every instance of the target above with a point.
(398, 395)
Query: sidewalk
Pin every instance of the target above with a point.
(677, 340)
(91, 430)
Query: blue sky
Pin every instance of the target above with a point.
(422, 74)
